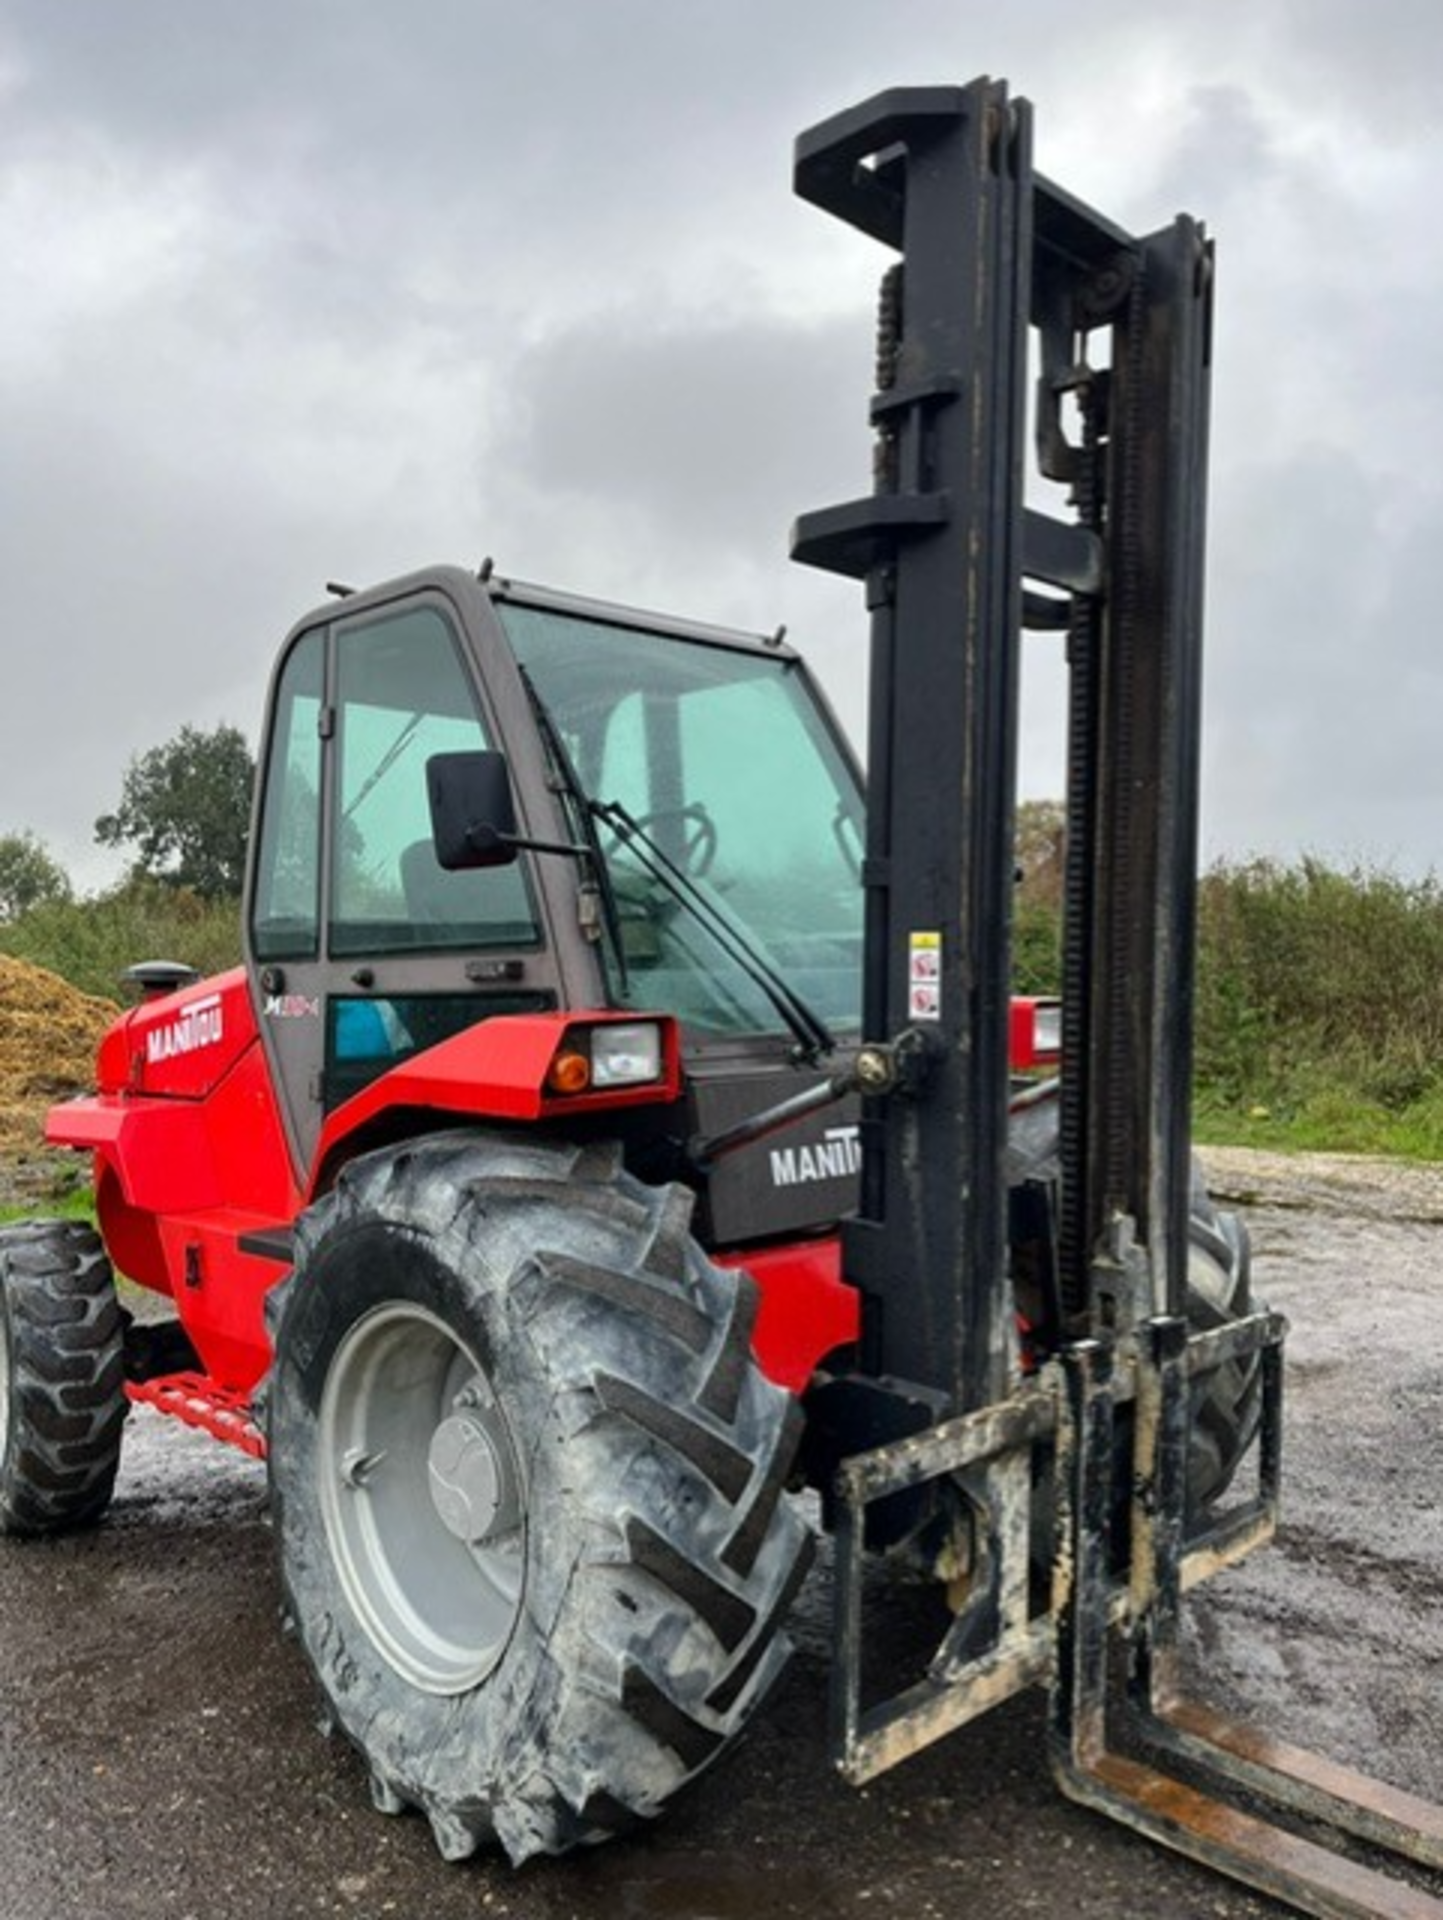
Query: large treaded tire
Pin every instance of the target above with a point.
(656, 1554)
(62, 1386)
(1227, 1402)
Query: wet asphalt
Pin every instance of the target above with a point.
(160, 1753)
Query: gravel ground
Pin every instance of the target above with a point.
(1343, 1619)
(1354, 1185)
(160, 1754)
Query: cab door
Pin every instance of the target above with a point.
(363, 951)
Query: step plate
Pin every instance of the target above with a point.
(199, 1401)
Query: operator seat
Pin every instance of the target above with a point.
(470, 907)
(435, 897)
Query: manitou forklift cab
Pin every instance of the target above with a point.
(688, 832)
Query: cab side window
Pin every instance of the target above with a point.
(402, 695)
(286, 907)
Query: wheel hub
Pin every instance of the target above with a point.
(468, 1486)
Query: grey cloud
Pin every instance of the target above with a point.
(1326, 686)
(719, 432)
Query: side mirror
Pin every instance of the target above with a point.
(473, 814)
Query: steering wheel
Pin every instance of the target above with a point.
(697, 850)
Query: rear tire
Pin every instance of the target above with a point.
(62, 1385)
(528, 1488)
(1227, 1402)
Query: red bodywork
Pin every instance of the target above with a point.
(192, 1167)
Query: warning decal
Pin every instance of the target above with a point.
(924, 976)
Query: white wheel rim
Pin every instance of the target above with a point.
(422, 1498)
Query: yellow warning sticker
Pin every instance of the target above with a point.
(924, 976)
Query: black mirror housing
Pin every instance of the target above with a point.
(473, 813)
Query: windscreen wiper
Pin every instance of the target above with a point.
(813, 1036)
(582, 813)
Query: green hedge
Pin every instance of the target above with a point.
(1319, 1010)
(91, 942)
(1320, 1007)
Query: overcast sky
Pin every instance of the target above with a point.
(300, 290)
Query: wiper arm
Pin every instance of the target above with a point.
(581, 809)
(811, 1032)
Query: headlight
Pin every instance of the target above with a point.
(1047, 1027)
(626, 1053)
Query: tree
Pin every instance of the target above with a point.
(29, 877)
(1038, 848)
(185, 807)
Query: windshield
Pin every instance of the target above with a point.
(722, 758)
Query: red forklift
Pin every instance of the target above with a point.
(615, 1127)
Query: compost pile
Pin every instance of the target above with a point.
(49, 1031)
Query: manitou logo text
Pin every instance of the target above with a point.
(835, 1156)
(199, 1026)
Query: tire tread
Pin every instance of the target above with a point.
(65, 1346)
